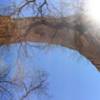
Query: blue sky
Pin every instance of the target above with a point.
(60, 8)
(71, 76)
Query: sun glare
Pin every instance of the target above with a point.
(93, 10)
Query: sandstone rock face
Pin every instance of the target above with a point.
(51, 31)
(6, 28)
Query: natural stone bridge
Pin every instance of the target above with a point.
(52, 31)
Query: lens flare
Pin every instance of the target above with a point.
(93, 10)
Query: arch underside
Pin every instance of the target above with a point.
(23, 30)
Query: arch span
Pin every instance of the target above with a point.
(51, 31)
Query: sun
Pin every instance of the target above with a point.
(93, 10)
